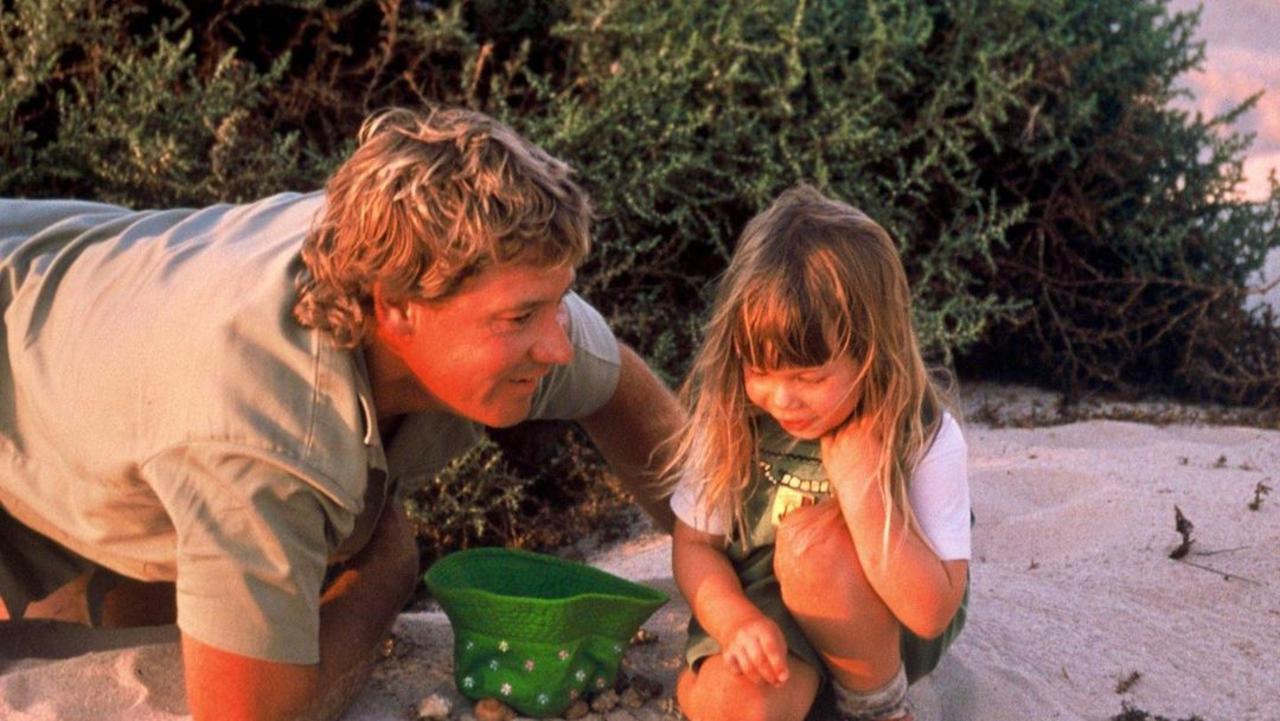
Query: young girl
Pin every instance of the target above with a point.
(823, 505)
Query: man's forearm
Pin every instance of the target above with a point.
(357, 611)
(633, 431)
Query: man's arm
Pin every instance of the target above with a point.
(633, 430)
(356, 611)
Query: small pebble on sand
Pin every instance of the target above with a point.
(434, 708)
(576, 710)
(491, 709)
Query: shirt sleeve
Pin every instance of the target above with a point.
(252, 542)
(688, 507)
(688, 503)
(589, 380)
(939, 493)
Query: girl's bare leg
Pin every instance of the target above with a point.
(716, 693)
(825, 589)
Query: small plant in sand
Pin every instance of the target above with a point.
(1183, 526)
(1128, 682)
(1129, 712)
(1260, 491)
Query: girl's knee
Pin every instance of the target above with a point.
(816, 555)
(714, 693)
(711, 694)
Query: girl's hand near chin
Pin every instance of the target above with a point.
(851, 455)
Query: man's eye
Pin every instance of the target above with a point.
(514, 321)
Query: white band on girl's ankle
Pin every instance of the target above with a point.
(885, 703)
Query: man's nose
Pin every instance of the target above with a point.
(553, 347)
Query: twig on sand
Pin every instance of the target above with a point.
(1216, 551)
(1225, 576)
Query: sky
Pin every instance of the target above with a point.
(1243, 56)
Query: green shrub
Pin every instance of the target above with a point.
(475, 500)
(687, 119)
(129, 114)
(536, 486)
(1059, 219)
(1133, 255)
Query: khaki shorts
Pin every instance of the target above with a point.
(33, 566)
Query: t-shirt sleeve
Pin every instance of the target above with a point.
(252, 541)
(588, 381)
(688, 507)
(939, 493)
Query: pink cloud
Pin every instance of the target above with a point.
(1242, 57)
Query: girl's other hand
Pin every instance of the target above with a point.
(851, 454)
(758, 650)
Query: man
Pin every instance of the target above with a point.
(209, 411)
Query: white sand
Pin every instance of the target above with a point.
(1073, 591)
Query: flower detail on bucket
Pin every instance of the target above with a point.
(493, 665)
(503, 646)
(470, 644)
(600, 682)
(529, 664)
(563, 654)
(580, 674)
(469, 682)
(505, 689)
(543, 699)
(617, 648)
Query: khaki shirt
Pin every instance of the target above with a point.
(163, 415)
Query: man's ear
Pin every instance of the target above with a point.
(393, 319)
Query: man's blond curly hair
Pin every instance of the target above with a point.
(426, 201)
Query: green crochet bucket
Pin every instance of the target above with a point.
(535, 631)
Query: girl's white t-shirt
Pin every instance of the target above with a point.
(938, 493)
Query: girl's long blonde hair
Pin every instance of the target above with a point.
(811, 279)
